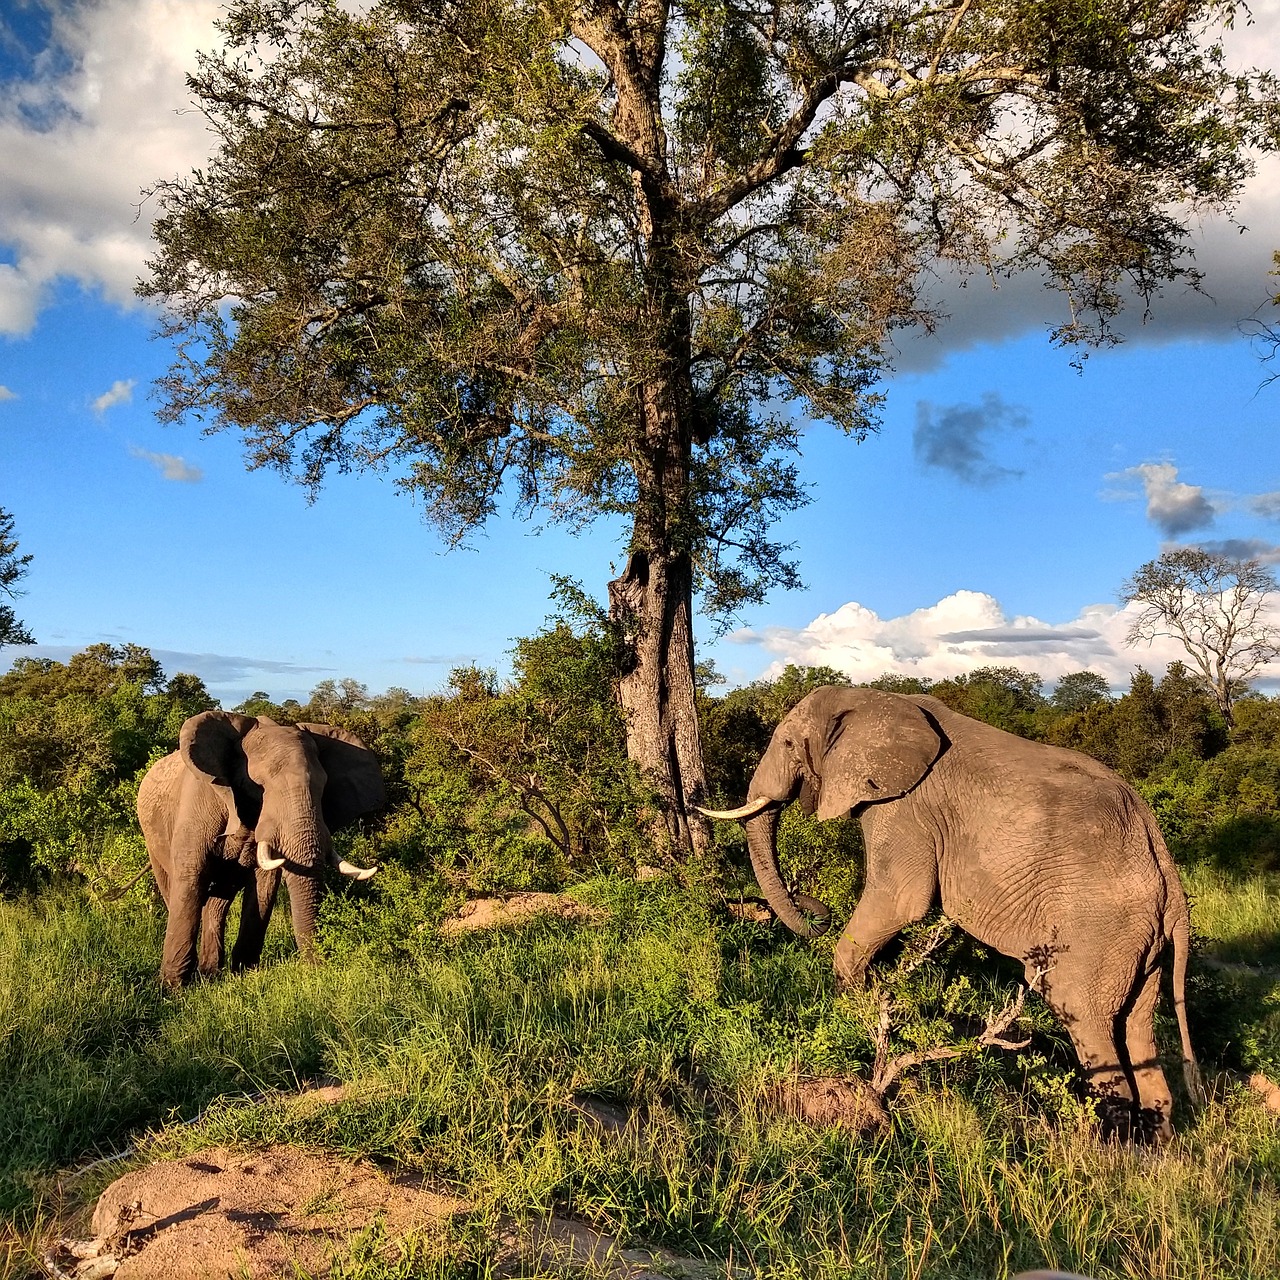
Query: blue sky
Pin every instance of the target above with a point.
(992, 520)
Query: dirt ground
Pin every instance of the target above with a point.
(257, 1214)
(493, 913)
(283, 1210)
(252, 1215)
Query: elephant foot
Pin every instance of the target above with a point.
(1119, 1121)
(1153, 1126)
(850, 980)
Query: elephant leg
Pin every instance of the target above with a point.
(213, 931)
(1155, 1102)
(162, 878)
(1093, 1033)
(255, 915)
(878, 916)
(184, 902)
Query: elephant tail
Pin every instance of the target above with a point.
(1177, 931)
(1180, 933)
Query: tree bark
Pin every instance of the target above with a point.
(653, 603)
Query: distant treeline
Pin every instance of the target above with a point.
(525, 783)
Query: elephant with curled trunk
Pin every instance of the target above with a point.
(1042, 853)
(242, 800)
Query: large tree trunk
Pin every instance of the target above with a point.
(653, 603)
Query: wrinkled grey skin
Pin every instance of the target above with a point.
(1042, 853)
(234, 781)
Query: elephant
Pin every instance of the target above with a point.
(212, 813)
(1041, 853)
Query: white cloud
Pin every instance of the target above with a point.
(84, 135)
(120, 392)
(170, 465)
(964, 631)
(1172, 505)
(92, 128)
(6, 394)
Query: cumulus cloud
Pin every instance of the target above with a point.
(120, 392)
(6, 394)
(170, 465)
(1173, 506)
(1244, 549)
(100, 117)
(962, 632)
(956, 437)
(103, 115)
(1266, 505)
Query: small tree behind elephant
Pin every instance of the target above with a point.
(242, 801)
(1040, 852)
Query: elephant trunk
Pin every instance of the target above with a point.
(304, 848)
(762, 843)
(304, 903)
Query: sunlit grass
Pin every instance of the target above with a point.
(1239, 917)
(461, 1062)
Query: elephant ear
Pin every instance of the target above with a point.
(212, 747)
(879, 747)
(354, 785)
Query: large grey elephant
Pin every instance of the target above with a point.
(241, 800)
(1042, 853)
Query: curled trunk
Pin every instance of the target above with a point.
(762, 842)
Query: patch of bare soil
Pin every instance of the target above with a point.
(494, 913)
(751, 910)
(845, 1102)
(563, 1244)
(1267, 1090)
(222, 1213)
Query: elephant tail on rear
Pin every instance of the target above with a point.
(1176, 927)
(1179, 932)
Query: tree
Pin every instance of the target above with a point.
(601, 257)
(12, 567)
(1080, 689)
(1214, 606)
(1006, 697)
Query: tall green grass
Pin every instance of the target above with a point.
(463, 1057)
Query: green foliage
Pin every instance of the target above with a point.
(1006, 697)
(1080, 690)
(75, 739)
(12, 568)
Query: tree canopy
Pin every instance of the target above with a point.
(12, 568)
(603, 257)
(1215, 607)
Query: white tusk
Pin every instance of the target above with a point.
(265, 861)
(748, 810)
(356, 873)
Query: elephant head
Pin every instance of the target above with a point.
(837, 749)
(287, 788)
